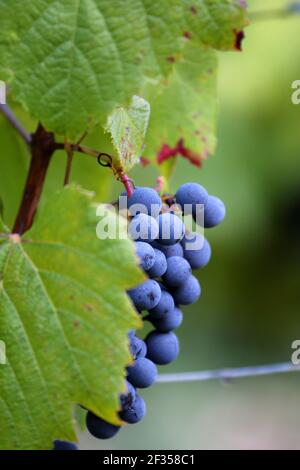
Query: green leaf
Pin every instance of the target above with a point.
(71, 62)
(128, 129)
(186, 109)
(64, 317)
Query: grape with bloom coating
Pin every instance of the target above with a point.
(128, 397)
(138, 347)
(188, 292)
(196, 250)
(146, 296)
(214, 212)
(162, 348)
(64, 445)
(178, 271)
(160, 264)
(164, 306)
(192, 195)
(135, 412)
(100, 428)
(143, 227)
(146, 254)
(168, 322)
(145, 201)
(142, 373)
(171, 229)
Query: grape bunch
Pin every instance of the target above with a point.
(167, 253)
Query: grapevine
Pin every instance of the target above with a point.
(93, 97)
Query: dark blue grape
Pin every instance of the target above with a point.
(169, 322)
(214, 212)
(142, 373)
(135, 412)
(64, 445)
(192, 194)
(165, 305)
(162, 348)
(127, 398)
(146, 295)
(171, 228)
(145, 201)
(168, 251)
(143, 227)
(138, 347)
(146, 254)
(160, 264)
(100, 428)
(196, 250)
(178, 271)
(188, 292)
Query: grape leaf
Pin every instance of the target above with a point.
(64, 315)
(128, 129)
(70, 63)
(183, 115)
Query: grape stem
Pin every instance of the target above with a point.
(228, 375)
(160, 184)
(126, 181)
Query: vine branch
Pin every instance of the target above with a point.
(7, 112)
(42, 146)
(229, 374)
(27, 137)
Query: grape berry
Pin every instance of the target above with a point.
(64, 445)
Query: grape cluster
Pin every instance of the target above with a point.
(168, 254)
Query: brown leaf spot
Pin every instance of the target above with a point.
(171, 59)
(187, 35)
(239, 36)
(76, 323)
(88, 307)
(193, 10)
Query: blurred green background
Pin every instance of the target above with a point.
(249, 310)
